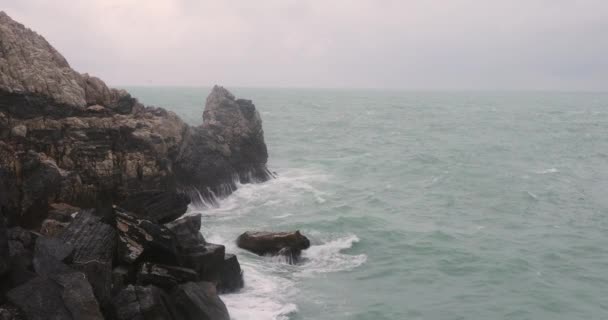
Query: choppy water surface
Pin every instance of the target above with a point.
(422, 205)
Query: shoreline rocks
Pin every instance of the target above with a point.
(287, 244)
(71, 148)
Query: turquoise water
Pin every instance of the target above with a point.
(422, 205)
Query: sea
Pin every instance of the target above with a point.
(420, 205)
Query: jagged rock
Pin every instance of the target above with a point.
(94, 242)
(10, 312)
(230, 141)
(4, 248)
(199, 301)
(142, 240)
(231, 276)
(289, 244)
(157, 206)
(59, 296)
(48, 253)
(206, 259)
(41, 182)
(40, 299)
(164, 276)
(139, 303)
(187, 231)
(97, 140)
(121, 276)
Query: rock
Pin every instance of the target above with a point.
(205, 259)
(164, 276)
(10, 312)
(19, 131)
(4, 248)
(41, 182)
(187, 231)
(52, 227)
(199, 300)
(149, 303)
(289, 244)
(230, 142)
(121, 276)
(22, 236)
(48, 255)
(231, 276)
(157, 206)
(40, 299)
(94, 244)
(142, 240)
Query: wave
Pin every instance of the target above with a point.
(328, 257)
(546, 171)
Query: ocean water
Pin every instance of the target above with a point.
(421, 205)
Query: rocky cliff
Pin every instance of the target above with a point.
(67, 138)
(92, 184)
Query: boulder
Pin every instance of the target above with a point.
(199, 301)
(187, 231)
(4, 248)
(156, 206)
(231, 276)
(289, 244)
(143, 240)
(10, 312)
(49, 255)
(121, 276)
(40, 299)
(94, 245)
(206, 259)
(164, 276)
(138, 302)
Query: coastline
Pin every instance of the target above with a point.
(93, 187)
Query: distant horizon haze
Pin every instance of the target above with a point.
(460, 45)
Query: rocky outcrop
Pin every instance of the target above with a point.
(66, 137)
(288, 244)
(68, 141)
(78, 274)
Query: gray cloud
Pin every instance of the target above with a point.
(416, 44)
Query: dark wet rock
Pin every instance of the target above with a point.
(262, 242)
(231, 275)
(94, 243)
(164, 276)
(10, 312)
(41, 182)
(157, 206)
(50, 255)
(4, 248)
(187, 231)
(199, 300)
(25, 237)
(230, 144)
(289, 244)
(205, 259)
(62, 296)
(143, 303)
(40, 298)
(143, 240)
(121, 276)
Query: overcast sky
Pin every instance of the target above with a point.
(415, 44)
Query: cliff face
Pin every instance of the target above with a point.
(66, 137)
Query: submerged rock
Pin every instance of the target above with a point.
(288, 244)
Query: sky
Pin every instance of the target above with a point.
(402, 44)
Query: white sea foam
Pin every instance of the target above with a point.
(546, 171)
(328, 257)
(264, 296)
(270, 282)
